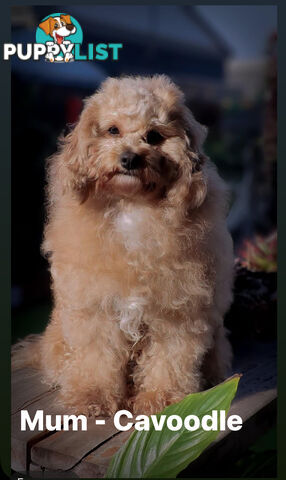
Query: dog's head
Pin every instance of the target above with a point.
(137, 139)
(58, 27)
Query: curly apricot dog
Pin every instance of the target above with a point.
(141, 259)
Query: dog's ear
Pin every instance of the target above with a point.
(66, 18)
(189, 192)
(74, 157)
(196, 134)
(48, 25)
(77, 152)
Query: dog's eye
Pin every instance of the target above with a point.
(153, 137)
(113, 130)
(56, 25)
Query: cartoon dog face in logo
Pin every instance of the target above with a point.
(58, 28)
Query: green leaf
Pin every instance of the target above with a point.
(163, 454)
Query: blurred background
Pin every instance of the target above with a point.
(223, 58)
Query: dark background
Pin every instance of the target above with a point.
(224, 59)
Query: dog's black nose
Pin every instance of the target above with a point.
(70, 26)
(131, 161)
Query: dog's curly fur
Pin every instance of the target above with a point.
(141, 260)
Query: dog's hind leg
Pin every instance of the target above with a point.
(89, 362)
(26, 353)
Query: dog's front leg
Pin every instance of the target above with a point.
(88, 360)
(169, 368)
(52, 51)
(67, 47)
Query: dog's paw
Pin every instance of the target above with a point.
(91, 404)
(68, 57)
(105, 407)
(49, 57)
(147, 403)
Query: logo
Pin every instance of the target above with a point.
(60, 33)
(59, 39)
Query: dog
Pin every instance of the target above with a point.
(140, 256)
(58, 28)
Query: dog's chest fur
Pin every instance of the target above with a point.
(133, 229)
(136, 229)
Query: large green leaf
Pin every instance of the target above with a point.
(163, 454)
